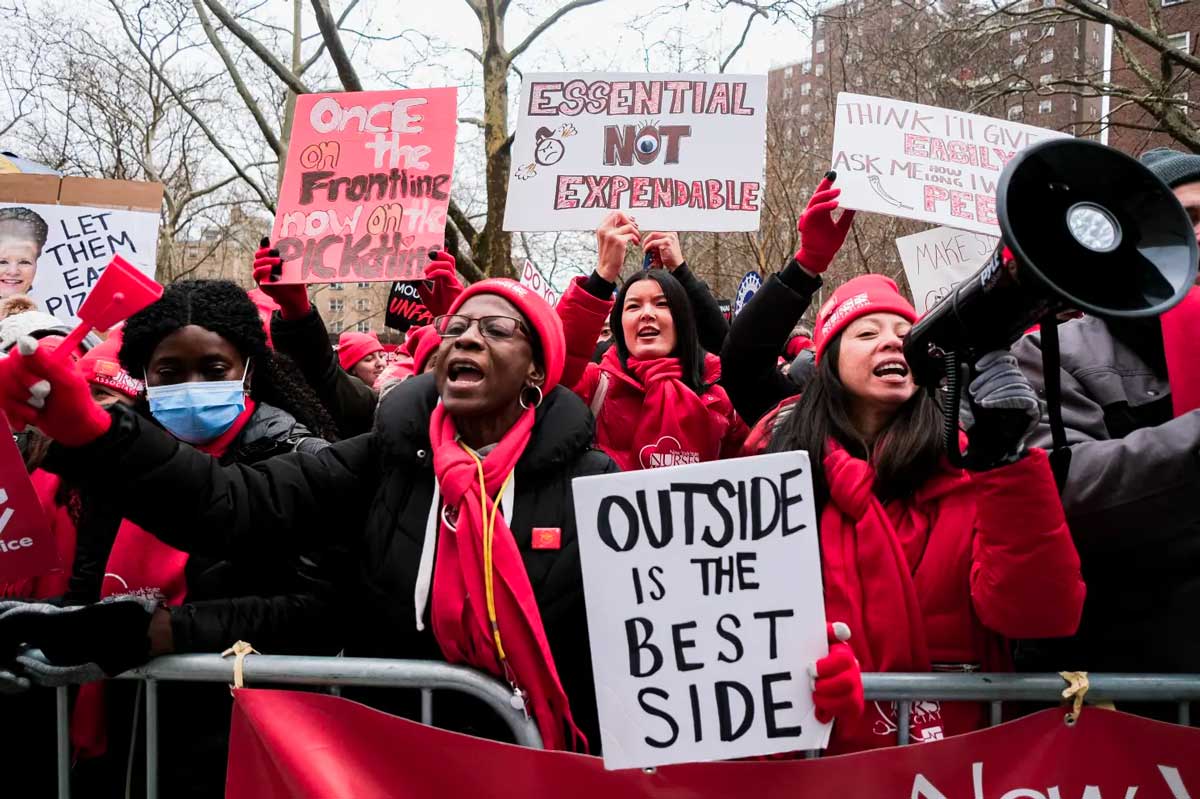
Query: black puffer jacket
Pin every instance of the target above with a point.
(372, 494)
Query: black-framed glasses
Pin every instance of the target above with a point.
(500, 328)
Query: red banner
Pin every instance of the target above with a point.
(27, 548)
(293, 745)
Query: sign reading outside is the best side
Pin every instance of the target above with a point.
(705, 609)
(367, 185)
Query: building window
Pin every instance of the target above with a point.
(787, 134)
(1180, 41)
(363, 327)
(820, 46)
(362, 304)
(336, 326)
(820, 70)
(805, 108)
(1074, 104)
(1019, 61)
(806, 89)
(787, 73)
(858, 80)
(1046, 79)
(1049, 31)
(806, 68)
(1016, 112)
(787, 92)
(1171, 3)
(337, 305)
(1047, 56)
(804, 130)
(1047, 3)
(1182, 99)
(894, 75)
(1045, 106)
(1095, 34)
(364, 285)
(335, 286)
(896, 22)
(820, 91)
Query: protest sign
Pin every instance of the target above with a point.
(366, 185)
(751, 283)
(937, 260)
(704, 606)
(532, 279)
(58, 234)
(27, 549)
(405, 309)
(679, 152)
(921, 162)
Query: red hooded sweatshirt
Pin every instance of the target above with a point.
(645, 418)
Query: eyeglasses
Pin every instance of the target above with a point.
(500, 328)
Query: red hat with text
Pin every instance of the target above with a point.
(101, 367)
(353, 347)
(856, 298)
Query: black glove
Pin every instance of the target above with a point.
(1005, 410)
(68, 645)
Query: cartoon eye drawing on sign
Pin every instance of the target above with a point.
(548, 149)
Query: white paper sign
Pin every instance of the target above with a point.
(532, 279)
(921, 162)
(80, 241)
(705, 609)
(679, 152)
(937, 260)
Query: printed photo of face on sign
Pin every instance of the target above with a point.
(56, 253)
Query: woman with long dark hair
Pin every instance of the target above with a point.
(931, 567)
(654, 393)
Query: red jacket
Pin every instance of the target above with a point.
(1001, 566)
(620, 409)
(62, 527)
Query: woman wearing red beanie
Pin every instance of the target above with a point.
(931, 567)
(654, 393)
(361, 355)
(440, 503)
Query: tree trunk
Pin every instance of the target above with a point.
(495, 252)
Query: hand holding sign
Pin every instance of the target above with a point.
(613, 237)
(837, 679)
(441, 285)
(292, 297)
(820, 236)
(665, 250)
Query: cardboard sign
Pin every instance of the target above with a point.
(751, 283)
(366, 186)
(58, 234)
(532, 279)
(705, 609)
(405, 309)
(26, 546)
(921, 162)
(679, 152)
(937, 260)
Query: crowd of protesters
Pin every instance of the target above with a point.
(216, 471)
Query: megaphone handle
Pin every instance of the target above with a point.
(71, 342)
(952, 398)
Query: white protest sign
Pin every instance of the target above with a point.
(937, 260)
(679, 152)
(921, 162)
(532, 279)
(705, 609)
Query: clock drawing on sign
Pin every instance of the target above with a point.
(548, 149)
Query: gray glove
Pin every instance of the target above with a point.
(1005, 409)
(37, 666)
(12, 682)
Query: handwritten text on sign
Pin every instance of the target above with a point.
(935, 261)
(679, 152)
(922, 162)
(532, 279)
(367, 185)
(704, 604)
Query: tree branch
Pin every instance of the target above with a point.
(256, 47)
(745, 32)
(546, 23)
(321, 47)
(337, 51)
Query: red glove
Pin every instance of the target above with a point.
(837, 679)
(292, 297)
(820, 236)
(441, 285)
(50, 394)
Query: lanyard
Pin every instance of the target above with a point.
(489, 530)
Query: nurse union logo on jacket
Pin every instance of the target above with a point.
(667, 451)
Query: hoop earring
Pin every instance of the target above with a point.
(540, 397)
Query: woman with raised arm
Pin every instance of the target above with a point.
(931, 567)
(439, 506)
(654, 393)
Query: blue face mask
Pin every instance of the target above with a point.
(198, 412)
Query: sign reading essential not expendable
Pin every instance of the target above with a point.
(678, 152)
(705, 609)
(937, 260)
(922, 162)
(58, 234)
(366, 186)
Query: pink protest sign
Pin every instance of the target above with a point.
(366, 185)
(26, 547)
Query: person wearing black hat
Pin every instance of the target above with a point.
(1130, 486)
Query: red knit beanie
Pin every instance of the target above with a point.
(855, 298)
(102, 367)
(421, 344)
(353, 347)
(796, 345)
(541, 317)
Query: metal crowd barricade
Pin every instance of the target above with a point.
(428, 676)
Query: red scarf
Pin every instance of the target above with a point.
(139, 564)
(1179, 328)
(869, 555)
(674, 427)
(460, 614)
